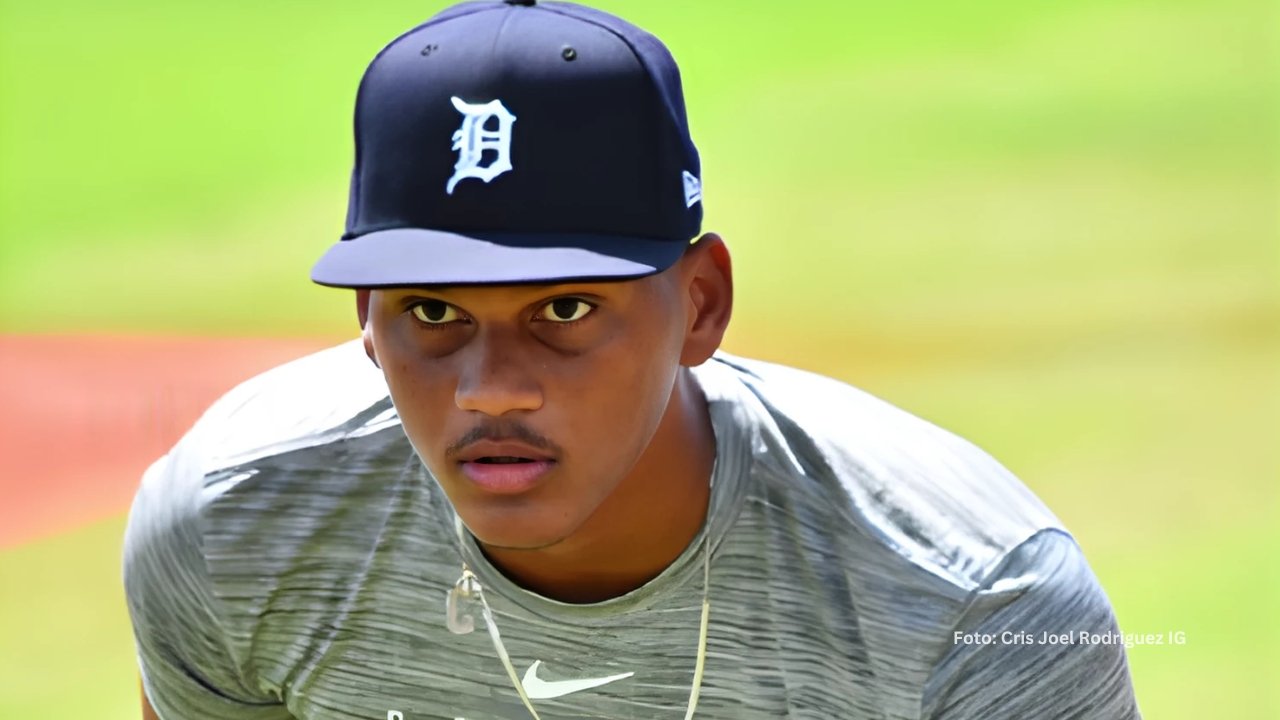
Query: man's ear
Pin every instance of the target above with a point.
(366, 330)
(362, 307)
(707, 276)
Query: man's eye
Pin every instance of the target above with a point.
(566, 310)
(435, 312)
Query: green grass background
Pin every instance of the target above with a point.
(1049, 227)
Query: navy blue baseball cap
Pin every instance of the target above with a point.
(517, 141)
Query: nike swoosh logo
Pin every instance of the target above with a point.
(539, 689)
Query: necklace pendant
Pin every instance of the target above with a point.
(462, 605)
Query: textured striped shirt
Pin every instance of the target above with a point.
(291, 555)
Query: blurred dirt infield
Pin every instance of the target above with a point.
(82, 416)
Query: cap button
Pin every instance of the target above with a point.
(526, 3)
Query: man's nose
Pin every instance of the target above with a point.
(495, 376)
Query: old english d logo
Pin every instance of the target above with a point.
(477, 134)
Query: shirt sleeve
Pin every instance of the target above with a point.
(1038, 640)
(189, 670)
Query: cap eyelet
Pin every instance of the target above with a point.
(568, 53)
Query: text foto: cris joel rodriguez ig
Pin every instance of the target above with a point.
(1078, 637)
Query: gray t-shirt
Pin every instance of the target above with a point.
(290, 557)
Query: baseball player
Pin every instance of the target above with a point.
(536, 487)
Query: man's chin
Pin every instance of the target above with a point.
(502, 532)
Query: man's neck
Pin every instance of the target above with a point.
(643, 526)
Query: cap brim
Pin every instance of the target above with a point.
(405, 257)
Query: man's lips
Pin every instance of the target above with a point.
(505, 467)
(507, 478)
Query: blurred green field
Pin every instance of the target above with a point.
(1051, 228)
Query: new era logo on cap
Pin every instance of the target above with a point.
(534, 143)
(692, 188)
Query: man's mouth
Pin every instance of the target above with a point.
(506, 474)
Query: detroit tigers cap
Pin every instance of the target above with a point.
(509, 141)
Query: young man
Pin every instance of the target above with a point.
(538, 488)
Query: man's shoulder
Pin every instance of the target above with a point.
(332, 394)
(920, 491)
(259, 444)
(292, 456)
(278, 492)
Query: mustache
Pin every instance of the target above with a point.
(500, 432)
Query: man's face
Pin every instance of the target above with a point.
(582, 373)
